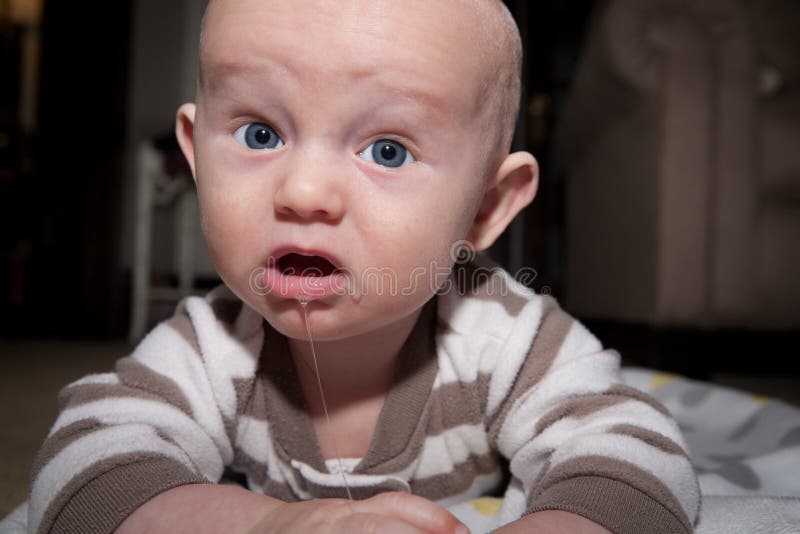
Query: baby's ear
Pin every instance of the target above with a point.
(513, 187)
(184, 131)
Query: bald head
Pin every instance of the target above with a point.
(494, 40)
(504, 48)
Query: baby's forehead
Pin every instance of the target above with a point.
(475, 28)
(412, 45)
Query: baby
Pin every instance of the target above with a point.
(335, 146)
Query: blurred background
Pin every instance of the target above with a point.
(668, 215)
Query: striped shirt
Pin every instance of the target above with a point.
(496, 391)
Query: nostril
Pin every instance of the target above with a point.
(303, 214)
(285, 210)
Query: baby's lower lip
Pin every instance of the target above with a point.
(291, 286)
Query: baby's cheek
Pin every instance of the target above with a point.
(232, 236)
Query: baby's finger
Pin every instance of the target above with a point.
(418, 511)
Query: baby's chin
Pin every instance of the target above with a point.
(327, 321)
(337, 319)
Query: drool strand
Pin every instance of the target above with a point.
(303, 300)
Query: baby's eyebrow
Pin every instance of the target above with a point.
(438, 103)
(212, 74)
(215, 74)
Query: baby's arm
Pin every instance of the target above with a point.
(553, 522)
(123, 437)
(187, 508)
(210, 508)
(579, 441)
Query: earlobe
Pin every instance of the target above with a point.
(184, 131)
(513, 187)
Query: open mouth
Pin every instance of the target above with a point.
(294, 264)
(310, 274)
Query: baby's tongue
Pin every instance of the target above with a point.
(300, 265)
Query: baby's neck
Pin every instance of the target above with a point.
(356, 376)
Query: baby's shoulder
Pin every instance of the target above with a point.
(205, 328)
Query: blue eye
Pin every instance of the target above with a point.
(258, 136)
(387, 153)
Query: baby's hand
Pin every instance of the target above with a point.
(385, 513)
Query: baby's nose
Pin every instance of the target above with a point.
(310, 193)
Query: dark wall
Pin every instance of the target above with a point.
(66, 206)
(553, 33)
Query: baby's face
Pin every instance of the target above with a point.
(338, 135)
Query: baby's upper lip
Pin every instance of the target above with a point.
(282, 251)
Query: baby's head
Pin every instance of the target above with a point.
(361, 139)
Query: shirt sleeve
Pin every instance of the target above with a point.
(579, 440)
(159, 421)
